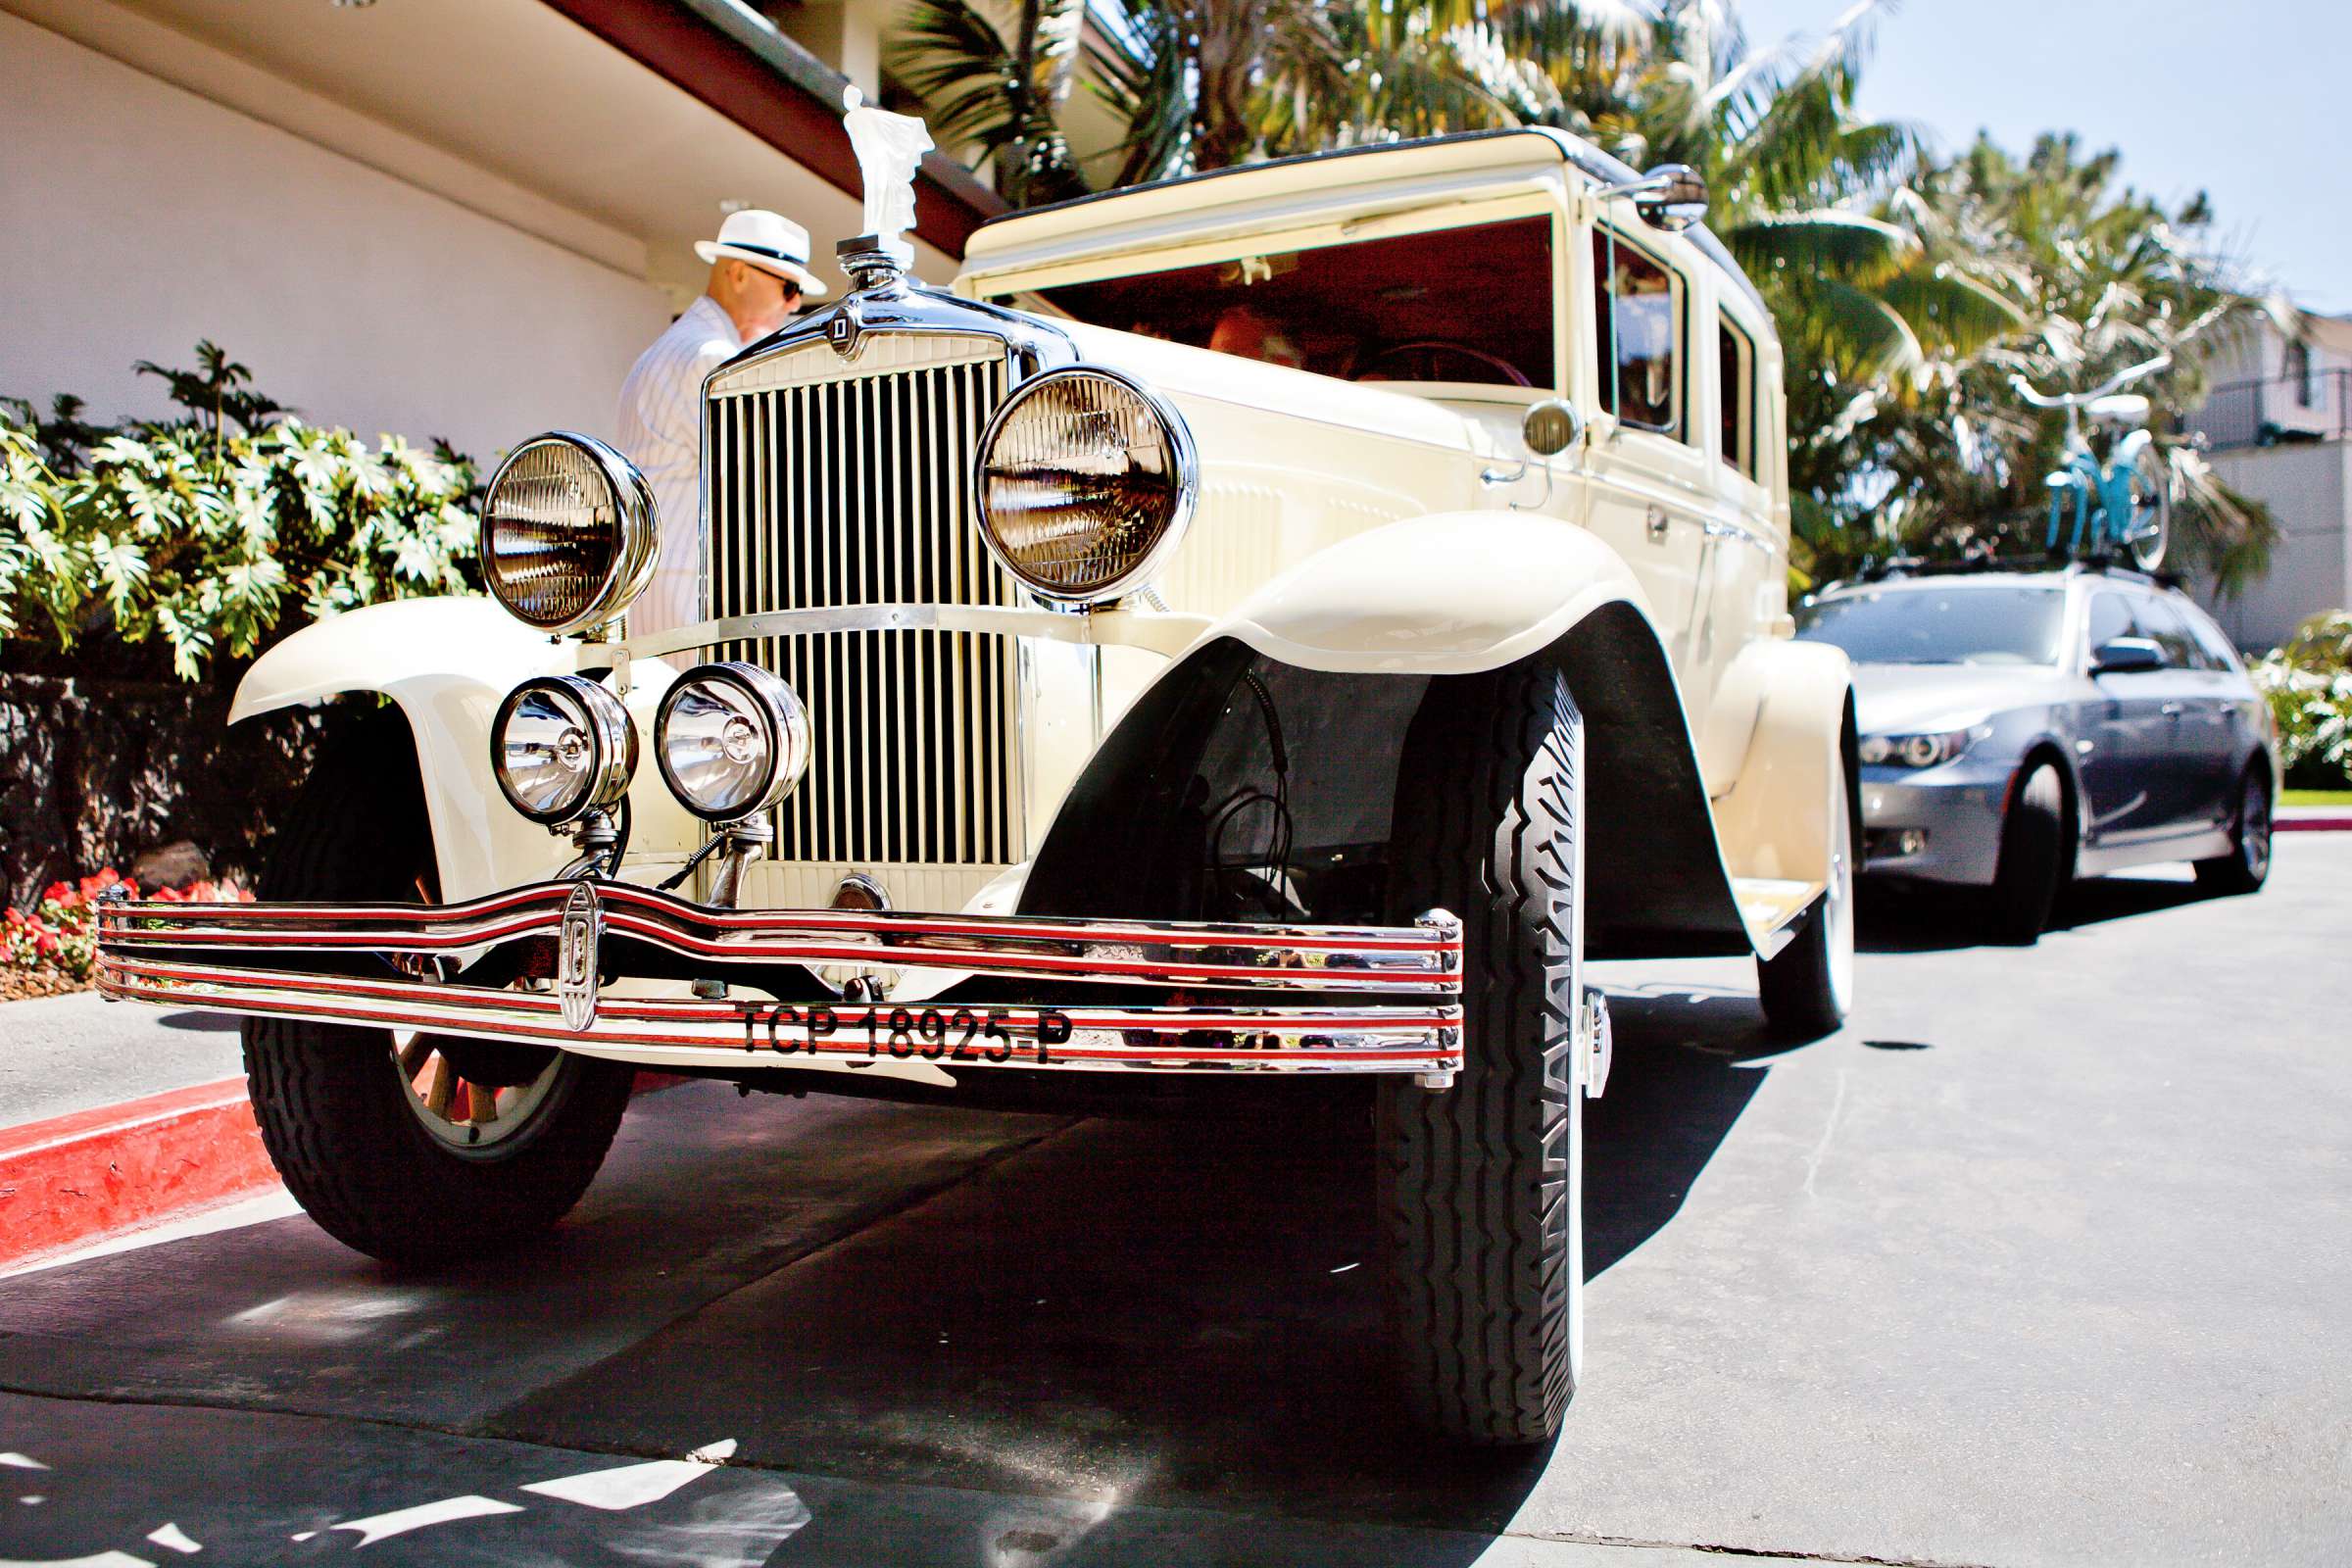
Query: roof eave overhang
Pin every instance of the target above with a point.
(779, 92)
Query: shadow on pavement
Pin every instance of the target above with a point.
(1895, 918)
(1092, 1323)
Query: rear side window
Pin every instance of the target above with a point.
(1738, 353)
(1636, 319)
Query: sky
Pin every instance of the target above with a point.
(2247, 100)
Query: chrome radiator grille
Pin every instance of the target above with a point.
(835, 483)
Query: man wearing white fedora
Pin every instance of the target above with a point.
(758, 273)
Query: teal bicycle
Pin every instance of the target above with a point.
(2126, 505)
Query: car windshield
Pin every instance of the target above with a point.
(1955, 625)
(1449, 306)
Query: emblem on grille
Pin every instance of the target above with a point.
(575, 958)
(845, 329)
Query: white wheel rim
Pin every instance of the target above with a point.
(1837, 899)
(461, 1114)
(2254, 829)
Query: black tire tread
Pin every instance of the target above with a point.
(1476, 1182)
(326, 1096)
(2227, 875)
(2032, 858)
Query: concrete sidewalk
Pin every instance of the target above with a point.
(60, 1055)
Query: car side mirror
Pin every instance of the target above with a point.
(1676, 200)
(2126, 655)
(1552, 426)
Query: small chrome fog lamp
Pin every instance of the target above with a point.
(562, 747)
(731, 740)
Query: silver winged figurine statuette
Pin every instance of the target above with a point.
(890, 148)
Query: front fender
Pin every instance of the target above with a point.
(1789, 730)
(1450, 594)
(448, 663)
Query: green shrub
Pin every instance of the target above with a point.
(2309, 685)
(207, 531)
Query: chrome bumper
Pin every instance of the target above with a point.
(1059, 993)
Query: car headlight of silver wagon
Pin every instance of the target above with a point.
(568, 533)
(1086, 479)
(562, 747)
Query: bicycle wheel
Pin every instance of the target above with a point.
(2149, 528)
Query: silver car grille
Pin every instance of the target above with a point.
(834, 484)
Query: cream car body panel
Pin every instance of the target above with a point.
(448, 663)
(1341, 526)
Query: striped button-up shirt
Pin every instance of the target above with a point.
(662, 432)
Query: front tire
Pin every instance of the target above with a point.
(1481, 1185)
(359, 1121)
(2248, 865)
(2032, 859)
(1808, 988)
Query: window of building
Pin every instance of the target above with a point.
(2302, 375)
(1738, 352)
(1636, 322)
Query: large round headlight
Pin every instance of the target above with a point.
(1084, 481)
(562, 747)
(569, 532)
(731, 739)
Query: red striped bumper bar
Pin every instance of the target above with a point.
(1383, 998)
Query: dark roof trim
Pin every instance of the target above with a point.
(735, 62)
(1580, 154)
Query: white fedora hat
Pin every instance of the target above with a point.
(768, 241)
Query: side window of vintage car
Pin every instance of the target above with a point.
(1634, 326)
(1736, 387)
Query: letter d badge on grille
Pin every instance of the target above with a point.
(575, 958)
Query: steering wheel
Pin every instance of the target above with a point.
(1431, 351)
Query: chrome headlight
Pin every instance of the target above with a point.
(731, 740)
(1085, 482)
(569, 532)
(1927, 749)
(562, 747)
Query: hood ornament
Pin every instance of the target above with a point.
(889, 148)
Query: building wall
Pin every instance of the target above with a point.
(136, 217)
(2309, 488)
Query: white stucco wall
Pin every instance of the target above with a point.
(136, 218)
(2309, 488)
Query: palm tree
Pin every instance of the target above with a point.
(2107, 278)
(1000, 95)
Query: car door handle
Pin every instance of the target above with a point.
(2171, 710)
(1655, 521)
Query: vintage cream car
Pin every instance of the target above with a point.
(1253, 630)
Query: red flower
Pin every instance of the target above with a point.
(56, 891)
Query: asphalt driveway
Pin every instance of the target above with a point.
(2044, 1259)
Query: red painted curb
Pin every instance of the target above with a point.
(74, 1179)
(2313, 824)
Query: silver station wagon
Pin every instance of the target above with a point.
(2021, 729)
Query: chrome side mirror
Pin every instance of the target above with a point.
(1675, 197)
(1551, 427)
